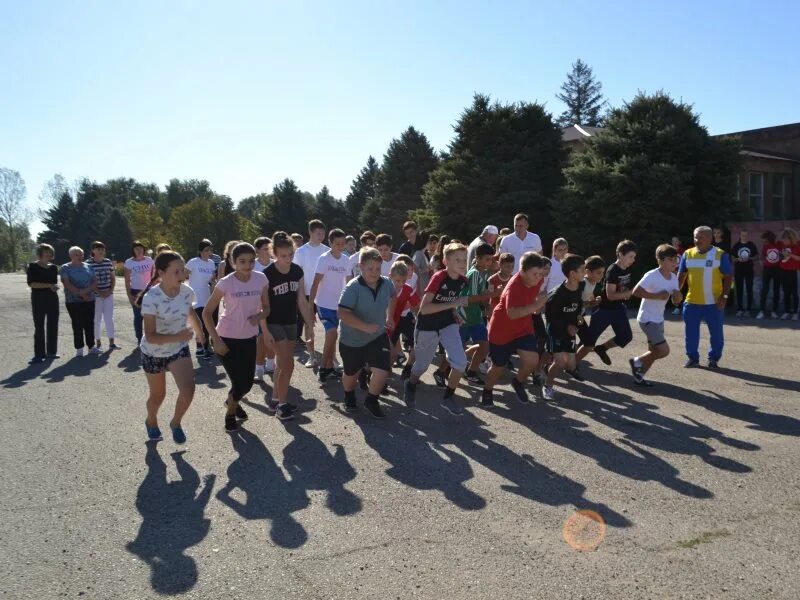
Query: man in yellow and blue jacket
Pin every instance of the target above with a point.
(708, 271)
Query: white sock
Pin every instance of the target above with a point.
(637, 362)
(269, 363)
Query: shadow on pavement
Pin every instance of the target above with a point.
(173, 520)
(132, 362)
(77, 367)
(23, 376)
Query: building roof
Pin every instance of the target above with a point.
(578, 132)
(771, 155)
(761, 129)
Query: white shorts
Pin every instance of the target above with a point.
(425, 343)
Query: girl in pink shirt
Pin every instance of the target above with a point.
(245, 306)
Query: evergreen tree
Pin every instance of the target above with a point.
(146, 224)
(116, 234)
(654, 172)
(330, 210)
(58, 222)
(503, 160)
(583, 95)
(89, 215)
(251, 206)
(285, 211)
(181, 192)
(364, 187)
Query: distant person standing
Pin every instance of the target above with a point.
(521, 241)
(103, 270)
(138, 272)
(79, 290)
(743, 253)
(790, 265)
(306, 257)
(202, 273)
(410, 231)
(487, 236)
(770, 273)
(43, 281)
(707, 271)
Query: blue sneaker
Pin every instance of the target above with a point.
(153, 433)
(178, 435)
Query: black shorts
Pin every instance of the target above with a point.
(375, 354)
(501, 353)
(160, 364)
(541, 334)
(405, 327)
(560, 343)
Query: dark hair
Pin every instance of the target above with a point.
(368, 254)
(296, 236)
(41, 248)
(506, 257)
(595, 262)
(261, 242)
(383, 239)
(205, 243)
(281, 239)
(315, 224)
(665, 251)
(367, 236)
(335, 234)
(571, 262)
(242, 248)
(505, 231)
(519, 216)
(409, 225)
(349, 239)
(404, 258)
(422, 240)
(137, 244)
(484, 250)
(626, 246)
(769, 236)
(433, 238)
(162, 262)
(443, 241)
(97, 244)
(530, 260)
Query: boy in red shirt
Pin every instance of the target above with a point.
(499, 280)
(511, 327)
(406, 298)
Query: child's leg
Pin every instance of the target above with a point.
(622, 329)
(157, 382)
(284, 367)
(529, 360)
(479, 353)
(331, 336)
(425, 344)
(261, 350)
(560, 362)
(450, 338)
(183, 373)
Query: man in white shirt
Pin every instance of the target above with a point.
(521, 241)
(306, 258)
(487, 236)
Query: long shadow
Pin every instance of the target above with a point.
(77, 367)
(173, 520)
(765, 381)
(207, 374)
(23, 376)
(268, 494)
(131, 362)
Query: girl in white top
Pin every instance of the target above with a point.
(201, 273)
(166, 310)
(557, 277)
(138, 272)
(265, 352)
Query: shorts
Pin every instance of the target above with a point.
(159, 364)
(329, 318)
(405, 327)
(426, 342)
(602, 319)
(376, 354)
(476, 333)
(501, 353)
(654, 333)
(541, 334)
(283, 332)
(557, 342)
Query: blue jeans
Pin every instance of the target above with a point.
(137, 318)
(693, 314)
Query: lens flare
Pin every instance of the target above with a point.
(584, 530)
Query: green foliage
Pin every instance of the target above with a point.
(583, 95)
(252, 206)
(89, 215)
(285, 210)
(654, 172)
(504, 159)
(366, 185)
(330, 210)
(14, 218)
(16, 248)
(116, 234)
(146, 224)
(58, 222)
(180, 192)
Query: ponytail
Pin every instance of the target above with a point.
(140, 297)
(161, 263)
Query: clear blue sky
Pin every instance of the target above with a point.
(246, 93)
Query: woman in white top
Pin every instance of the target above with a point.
(201, 272)
(138, 272)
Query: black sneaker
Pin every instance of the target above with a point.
(335, 373)
(272, 406)
(451, 405)
(409, 394)
(406, 372)
(712, 364)
(601, 352)
(350, 405)
(473, 378)
(537, 380)
(363, 379)
(323, 374)
(486, 399)
(374, 408)
(691, 363)
(575, 374)
(638, 376)
(519, 389)
(240, 414)
(643, 382)
(285, 412)
(439, 378)
(231, 424)
(400, 361)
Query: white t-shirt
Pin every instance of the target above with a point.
(201, 272)
(334, 271)
(517, 247)
(652, 311)
(386, 265)
(171, 317)
(556, 277)
(354, 271)
(261, 266)
(141, 272)
(306, 258)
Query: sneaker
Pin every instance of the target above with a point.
(439, 378)
(350, 404)
(409, 394)
(99, 347)
(712, 364)
(95, 350)
(638, 376)
(519, 390)
(451, 405)
(53, 356)
(114, 346)
(406, 372)
(285, 412)
(324, 374)
(400, 361)
(473, 378)
(676, 311)
(259, 375)
(785, 317)
(231, 424)
(269, 366)
(374, 408)
(644, 383)
(363, 379)
(178, 435)
(774, 315)
(336, 365)
(603, 354)
(37, 359)
(691, 363)
(486, 399)
(272, 406)
(240, 413)
(739, 314)
(485, 366)
(79, 352)
(153, 433)
(575, 374)
(760, 315)
(312, 362)
(335, 373)
(548, 393)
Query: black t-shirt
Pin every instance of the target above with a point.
(39, 274)
(563, 309)
(445, 291)
(623, 279)
(406, 248)
(283, 294)
(744, 251)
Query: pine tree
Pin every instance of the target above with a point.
(364, 187)
(58, 222)
(285, 211)
(330, 210)
(116, 234)
(583, 95)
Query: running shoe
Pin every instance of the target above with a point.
(79, 352)
(439, 378)
(323, 374)
(400, 361)
(676, 311)
(548, 393)
(538, 380)
(601, 352)
(409, 394)
(178, 435)
(53, 356)
(796, 317)
(774, 315)
(486, 399)
(115, 346)
(94, 350)
(451, 405)
(269, 366)
(259, 374)
(374, 408)
(231, 424)
(485, 366)
(643, 382)
(240, 413)
(785, 317)
(712, 364)
(519, 390)
(272, 406)
(312, 362)
(473, 378)
(406, 372)
(37, 359)
(760, 315)
(638, 376)
(350, 404)
(153, 433)
(739, 314)
(691, 363)
(575, 374)
(285, 412)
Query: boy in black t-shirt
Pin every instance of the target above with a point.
(743, 253)
(563, 314)
(612, 311)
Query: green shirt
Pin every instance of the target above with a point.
(477, 285)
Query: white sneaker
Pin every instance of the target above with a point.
(548, 392)
(336, 364)
(269, 365)
(760, 314)
(94, 350)
(774, 315)
(785, 317)
(739, 314)
(259, 376)
(79, 352)
(312, 361)
(485, 366)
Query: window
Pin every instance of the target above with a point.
(776, 209)
(757, 195)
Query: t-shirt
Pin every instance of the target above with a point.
(422, 262)
(590, 292)
(652, 311)
(473, 248)
(746, 253)
(502, 328)
(413, 283)
(496, 283)
(407, 299)
(141, 272)
(556, 277)
(386, 265)
(242, 300)
(261, 266)
(791, 264)
(306, 258)
(477, 285)
(103, 272)
(171, 317)
(771, 255)
(368, 305)
(517, 247)
(406, 248)
(334, 271)
(81, 277)
(201, 274)
(563, 309)
(445, 290)
(355, 270)
(622, 278)
(283, 294)
(39, 274)
(705, 272)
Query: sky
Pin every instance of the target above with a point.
(245, 94)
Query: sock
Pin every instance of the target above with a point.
(637, 362)
(350, 396)
(269, 363)
(371, 398)
(449, 392)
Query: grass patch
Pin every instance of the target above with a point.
(704, 538)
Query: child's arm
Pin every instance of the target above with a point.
(208, 318)
(305, 310)
(197, 326)
(153, 337)
(613, 295)
(427, 307)
(640, 292)
(314, 287)
(349, 318)
(390, 313)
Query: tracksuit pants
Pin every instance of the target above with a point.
(714, 318)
